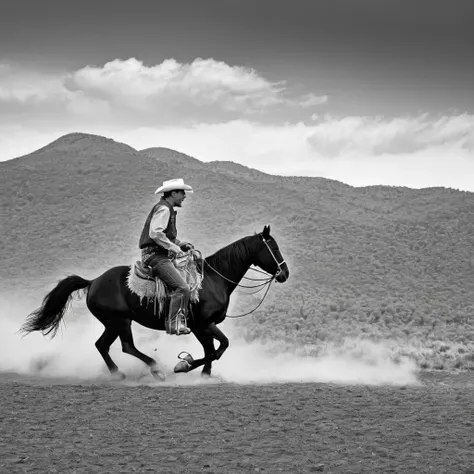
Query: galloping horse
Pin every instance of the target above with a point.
(110, 300)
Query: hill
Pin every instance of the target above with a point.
(84, 144)
(374, 262)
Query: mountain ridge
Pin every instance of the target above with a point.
(80, 142)
(83, 142)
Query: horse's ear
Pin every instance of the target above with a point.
(266, 231)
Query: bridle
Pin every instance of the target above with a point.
(279, 264)
(266, 281)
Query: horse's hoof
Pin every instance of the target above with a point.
(158, 374)
(182, 366)
(117, 376)
(205, 374)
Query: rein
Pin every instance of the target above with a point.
(265, 280)
(235, 316)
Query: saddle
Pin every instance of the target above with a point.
(146, 272)
(143, 271)
(147, 286)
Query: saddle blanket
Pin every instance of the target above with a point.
(155, 291)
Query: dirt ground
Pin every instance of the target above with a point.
(61, 426)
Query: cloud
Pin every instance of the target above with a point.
(22, 87)
(130, 92)
(378, 136)
(201, 84)
(310, 100)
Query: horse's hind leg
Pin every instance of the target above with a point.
(103, 346)
(128, 346)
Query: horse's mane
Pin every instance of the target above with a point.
(239, 248)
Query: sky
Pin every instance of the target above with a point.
(366, 92)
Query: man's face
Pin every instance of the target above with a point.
(179, 197)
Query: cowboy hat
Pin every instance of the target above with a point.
(173, 184)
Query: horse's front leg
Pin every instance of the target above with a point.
(221, 337)
(207, 340)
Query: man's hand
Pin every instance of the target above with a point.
(174, 251)
(186, 246)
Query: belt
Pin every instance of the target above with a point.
(154, 249)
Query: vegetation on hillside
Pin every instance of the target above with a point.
(378, 263)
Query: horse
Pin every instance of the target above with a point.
(111, 301)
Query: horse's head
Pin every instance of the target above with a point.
(268, 256)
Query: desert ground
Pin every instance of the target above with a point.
(63, 425)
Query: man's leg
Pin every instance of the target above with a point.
(178, 308)
(177, 314)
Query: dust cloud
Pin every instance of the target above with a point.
(72, 356)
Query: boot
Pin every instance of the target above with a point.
(176, 322)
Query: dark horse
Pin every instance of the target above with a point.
(115, 306)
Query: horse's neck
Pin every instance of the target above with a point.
(234, 268)
(240, 269)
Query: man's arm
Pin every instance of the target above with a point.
(158, 224)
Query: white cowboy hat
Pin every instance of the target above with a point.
(173, 184)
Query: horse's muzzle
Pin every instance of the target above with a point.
(282, 275)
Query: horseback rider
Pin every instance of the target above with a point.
(159, 245)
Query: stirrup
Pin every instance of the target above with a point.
(177, 327)
(183, 330)
(183, 355)
(181, 326)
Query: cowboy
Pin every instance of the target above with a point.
(159, 245)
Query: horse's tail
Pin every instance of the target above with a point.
(49, 315)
